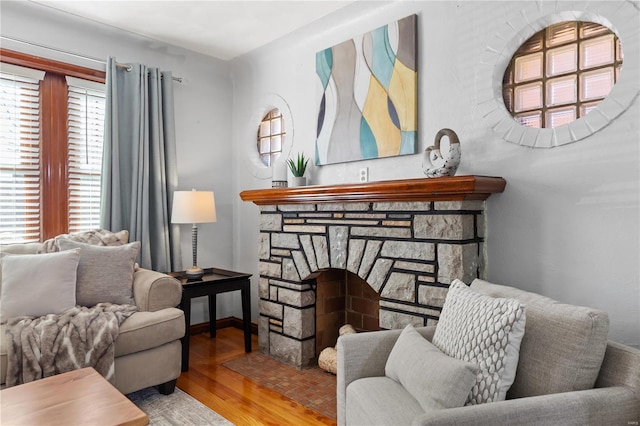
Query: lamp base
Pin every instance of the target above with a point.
(194, 273)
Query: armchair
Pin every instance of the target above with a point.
(557, 343)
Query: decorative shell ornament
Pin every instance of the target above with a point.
(438, 164)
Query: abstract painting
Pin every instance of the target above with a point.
(367, 91)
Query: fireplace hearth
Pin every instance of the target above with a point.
(405, 240)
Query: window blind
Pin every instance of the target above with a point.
(19, 158)
(86, 109)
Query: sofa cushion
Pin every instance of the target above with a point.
(485, 331)
(25, 248)
(38, 284)
(434, 379)
(145, 330)
(562, 348)
(380, 401)
(105, 274)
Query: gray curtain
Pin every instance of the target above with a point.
(139, 173)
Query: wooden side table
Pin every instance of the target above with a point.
(214, 281)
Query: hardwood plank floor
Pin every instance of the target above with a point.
(233, 396)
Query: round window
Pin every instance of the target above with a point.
(271, 137)
(561, 73)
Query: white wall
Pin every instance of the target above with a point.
(567, 225)
(202, 111)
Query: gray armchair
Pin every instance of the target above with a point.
(567, 374)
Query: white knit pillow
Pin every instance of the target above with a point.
(485, 331)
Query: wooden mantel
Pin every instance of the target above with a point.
(451, 188)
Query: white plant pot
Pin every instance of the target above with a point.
(299, 181)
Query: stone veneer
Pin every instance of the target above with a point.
(408, 252)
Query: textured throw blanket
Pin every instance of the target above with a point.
(53, 344)
(96, 237)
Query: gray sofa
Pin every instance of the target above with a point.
(148, 350)
(568, 374)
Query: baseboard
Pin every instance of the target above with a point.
(221, 323)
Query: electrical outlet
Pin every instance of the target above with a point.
(364, 174)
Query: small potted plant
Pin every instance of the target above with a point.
(298, 167)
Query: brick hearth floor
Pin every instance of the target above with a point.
(314, 388)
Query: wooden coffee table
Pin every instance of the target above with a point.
(80, 397)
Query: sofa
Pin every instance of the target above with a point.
(148, 346)
(567, 373)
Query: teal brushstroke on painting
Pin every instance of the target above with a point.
(408, 142)
(324, 63)
(368, 146)
(383, 56)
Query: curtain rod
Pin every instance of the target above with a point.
(66, 52)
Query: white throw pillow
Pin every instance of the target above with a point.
(434, 379)
(38, 284)
(485, 331)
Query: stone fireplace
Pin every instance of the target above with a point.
(404, 241)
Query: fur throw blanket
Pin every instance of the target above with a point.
(96, 237)
(52, 344)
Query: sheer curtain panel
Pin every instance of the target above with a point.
(139, 162)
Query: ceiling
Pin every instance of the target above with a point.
(224, 29)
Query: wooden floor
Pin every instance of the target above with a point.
(232, 395)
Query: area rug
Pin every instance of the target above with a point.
(176, 409)
(312, 388)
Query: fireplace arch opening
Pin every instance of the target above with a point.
(342, 297)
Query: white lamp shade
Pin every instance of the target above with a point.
(193, 207)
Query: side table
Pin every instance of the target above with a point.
(213, 282)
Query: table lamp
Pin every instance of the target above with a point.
(193, 207)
